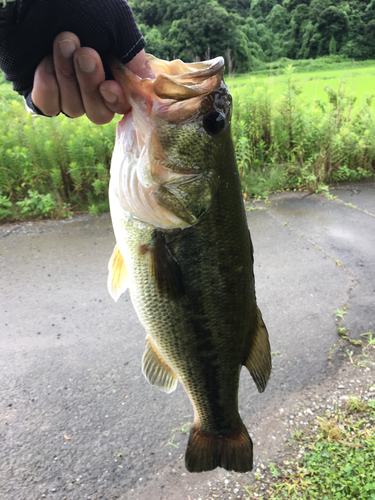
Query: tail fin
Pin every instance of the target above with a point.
(206, 451)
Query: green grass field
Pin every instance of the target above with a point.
(358, 80)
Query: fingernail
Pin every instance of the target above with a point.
(108, 96)
(49, 67)
(86, 63)
(67, 48)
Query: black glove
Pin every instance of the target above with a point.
(108, 26)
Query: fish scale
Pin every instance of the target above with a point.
(192, 284)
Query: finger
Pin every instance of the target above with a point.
(45, 94)
(114, 97)
(140, 65)
(64, 46)
(90, 74)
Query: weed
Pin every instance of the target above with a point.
(338, 463)
(5, 207)
(171, 443)
(297, 435)
(314, 143)
(370, 339)
(183, 429)
(356, 404)
(66, 162)
(343, 334)
(282, 140)
(340, 314)
(93, 210)
(330, 429)
(274, 470)
(36, 205)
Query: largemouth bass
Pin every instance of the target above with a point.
(185, 253)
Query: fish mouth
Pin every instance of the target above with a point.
(143, 177)
(174, 80)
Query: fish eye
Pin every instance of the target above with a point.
(214, 122)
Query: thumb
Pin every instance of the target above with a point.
(140, 65)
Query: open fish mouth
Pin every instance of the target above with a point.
(149, 181)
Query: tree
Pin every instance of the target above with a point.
(332, 46)
(257, 30)
(208, 24)
(278, 19)
(156, 44)
(261, 8)
(241, 7)
(332, 22)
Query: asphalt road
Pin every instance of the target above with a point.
(78, 420)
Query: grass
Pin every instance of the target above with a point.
(358, 80)
(337, 462)
(299, 129)
(182, 429)
(288, 134)
(51, 167)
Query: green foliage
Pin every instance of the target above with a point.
(93, 210)
(338, 463)
(194, 29)
(258, 31)
(332, 46)
(285, 141)
(36, 205)
(49, 165)
(5, 207)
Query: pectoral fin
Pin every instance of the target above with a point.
(259, 361)
(117, 281)
(156, 370)
(165, 268)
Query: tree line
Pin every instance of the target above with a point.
(251, 32)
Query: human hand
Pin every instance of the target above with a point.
(72, 80)
(30, 55)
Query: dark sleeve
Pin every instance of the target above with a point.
(108, 26)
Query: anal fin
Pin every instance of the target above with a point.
(259, 361)
(156, 370)
(117, 281)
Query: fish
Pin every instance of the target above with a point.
(184, 251)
